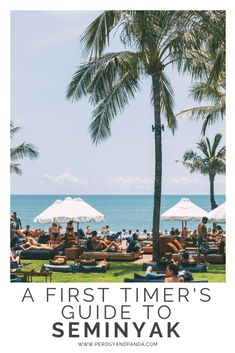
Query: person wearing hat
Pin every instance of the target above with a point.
(203, 247)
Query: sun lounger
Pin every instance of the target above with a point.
(159, 278)
(147, 249)
(112, 256)
(74, 268)
(197, 268)
(211, 258)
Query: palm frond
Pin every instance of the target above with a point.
(15, 168)
(193, 162)
(218, 67)
(202, 90)
(216, 143)
(113, 103)
(167, 101)
(23, 150)
(97, 76)
(96, 36)
(13, 129)
(202, 145)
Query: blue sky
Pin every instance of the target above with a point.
(45, 51)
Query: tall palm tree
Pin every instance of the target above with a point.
(20, 152)
(211, 162)
(153, 40)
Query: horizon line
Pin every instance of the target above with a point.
(114, 194)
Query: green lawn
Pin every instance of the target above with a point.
(117, 272)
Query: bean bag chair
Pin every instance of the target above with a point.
(161, 266)
(139, 280)
(74, 268)
(38, 254)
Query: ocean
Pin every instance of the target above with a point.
(121, 211)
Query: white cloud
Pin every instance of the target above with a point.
(64, 178)
(184, 180)
(131, 182)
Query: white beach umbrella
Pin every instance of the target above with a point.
(77, 210)
(49, 215)
(218, 215)
(184, 210)
(69, 209)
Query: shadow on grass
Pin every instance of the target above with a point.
(127, 270)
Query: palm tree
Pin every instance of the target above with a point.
(211, 162)
(19, 152)
(209, 113)
(215, 41)
(210, 62)
(209, 28)
(153, 40)
(214, 93)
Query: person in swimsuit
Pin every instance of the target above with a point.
(28, 246)
(101, 245)
(203, 247)
(27, 231)
(70, 238)
(54, 232)
(172, 274)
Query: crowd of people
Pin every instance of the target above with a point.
(58, 239)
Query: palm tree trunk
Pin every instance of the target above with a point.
(158, 165)
(212, 195)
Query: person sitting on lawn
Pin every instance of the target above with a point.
(172, 274)
(149, 272)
